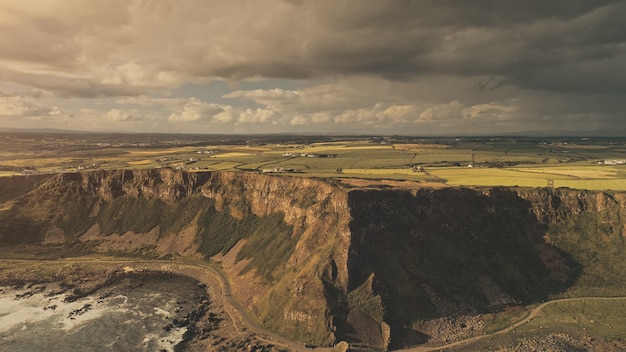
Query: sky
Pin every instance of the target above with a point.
(421, 67)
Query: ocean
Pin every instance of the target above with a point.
(139, 313)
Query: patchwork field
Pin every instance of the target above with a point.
(582, 163)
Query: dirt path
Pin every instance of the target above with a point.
(531, 314)
(206, 274)
(242, 322)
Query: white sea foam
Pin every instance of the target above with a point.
(175, 336)
(20, 312)
(161, 312)
(117, 322)
(25, 311)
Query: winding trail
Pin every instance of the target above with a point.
(531, 314)
(204, 273)
(213, 277)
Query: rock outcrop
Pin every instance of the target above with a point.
(320, 263)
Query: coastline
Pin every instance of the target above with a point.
(209, 325)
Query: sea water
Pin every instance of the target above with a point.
(135, 314)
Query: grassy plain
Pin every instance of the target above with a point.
(599, 318)
(581, 163)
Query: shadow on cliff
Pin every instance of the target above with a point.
(450, 252)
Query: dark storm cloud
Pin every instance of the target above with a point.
(441, 65)
(556, 45)
(552, 45)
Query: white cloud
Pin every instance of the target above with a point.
(240, 116)
(256, 116)
(337, 95)
(18, 107)
(299, 120)
(195, 110)
(320, 117)
(119, 115)
(441, 111)
(401, 112)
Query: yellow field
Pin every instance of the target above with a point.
(419, 147)
(488, 177)
(154, 152)
(139, 162)
(602, 172)
(231, 155)
(334, 149)
(589, 177)
(378, 172)
(597, 185)
(249, 149)
(39, 162)
(367, 147)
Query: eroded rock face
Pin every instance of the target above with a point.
(164, 212)
(321, 263)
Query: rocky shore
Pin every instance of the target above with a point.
(208, 327)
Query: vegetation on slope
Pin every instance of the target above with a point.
(68, 207)
(14, 186)
(437, 253)
(593, 232)
(411, 256)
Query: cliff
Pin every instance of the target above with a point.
(282, 241)
(318, 262)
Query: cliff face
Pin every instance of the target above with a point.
(282, 241)
(429, 254)
(317, 262)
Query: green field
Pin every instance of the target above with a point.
(602, 319)
(528, 162)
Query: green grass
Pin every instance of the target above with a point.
(128, 213)
(222, 165)
(605, 319)
(594, 240)
(498, 321)
(269, 245)
(364, 299)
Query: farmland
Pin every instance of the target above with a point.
(581, 163)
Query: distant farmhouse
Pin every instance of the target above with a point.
(308, 155)
(612, 162)
(278, 170)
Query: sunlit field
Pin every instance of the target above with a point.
(525, 162)
(488, 177)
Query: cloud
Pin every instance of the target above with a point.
(447, 111)
(489, 112)
(14, 107)
(387, 107)
(118, 115)
(336, 96)
(245, 116)
(126, 48)
(195, 110)
(356, 65)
